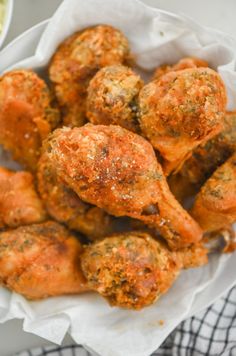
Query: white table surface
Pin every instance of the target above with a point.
(214, 13)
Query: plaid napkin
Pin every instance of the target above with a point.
(211, 332)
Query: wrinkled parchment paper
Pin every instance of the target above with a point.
(156, 37)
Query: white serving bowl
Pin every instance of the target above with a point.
(88, 318)
(7, 20)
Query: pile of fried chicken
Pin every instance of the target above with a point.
(109, 163)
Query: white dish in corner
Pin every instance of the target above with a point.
(7, 20)
(22, 46)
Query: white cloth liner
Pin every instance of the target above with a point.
(156, 37)
(209, 332)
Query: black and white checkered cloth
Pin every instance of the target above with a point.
(211, 332)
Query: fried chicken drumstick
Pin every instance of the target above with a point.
(40, 261)
(117, 170)
(26, 115)
(19, 202)
(113, 97)
(204, 160)
(133, 270)
(77, 60)
(181, 110)
(215, 205)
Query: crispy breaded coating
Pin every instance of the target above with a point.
(117, 170)
(180, 111)
(215, 205)
(77, 60)
(40, 261)
(112, 97)
(26, 115)
(130, 270)
(64, 205)
(184, 63)
(19, 202)
(204, 160)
